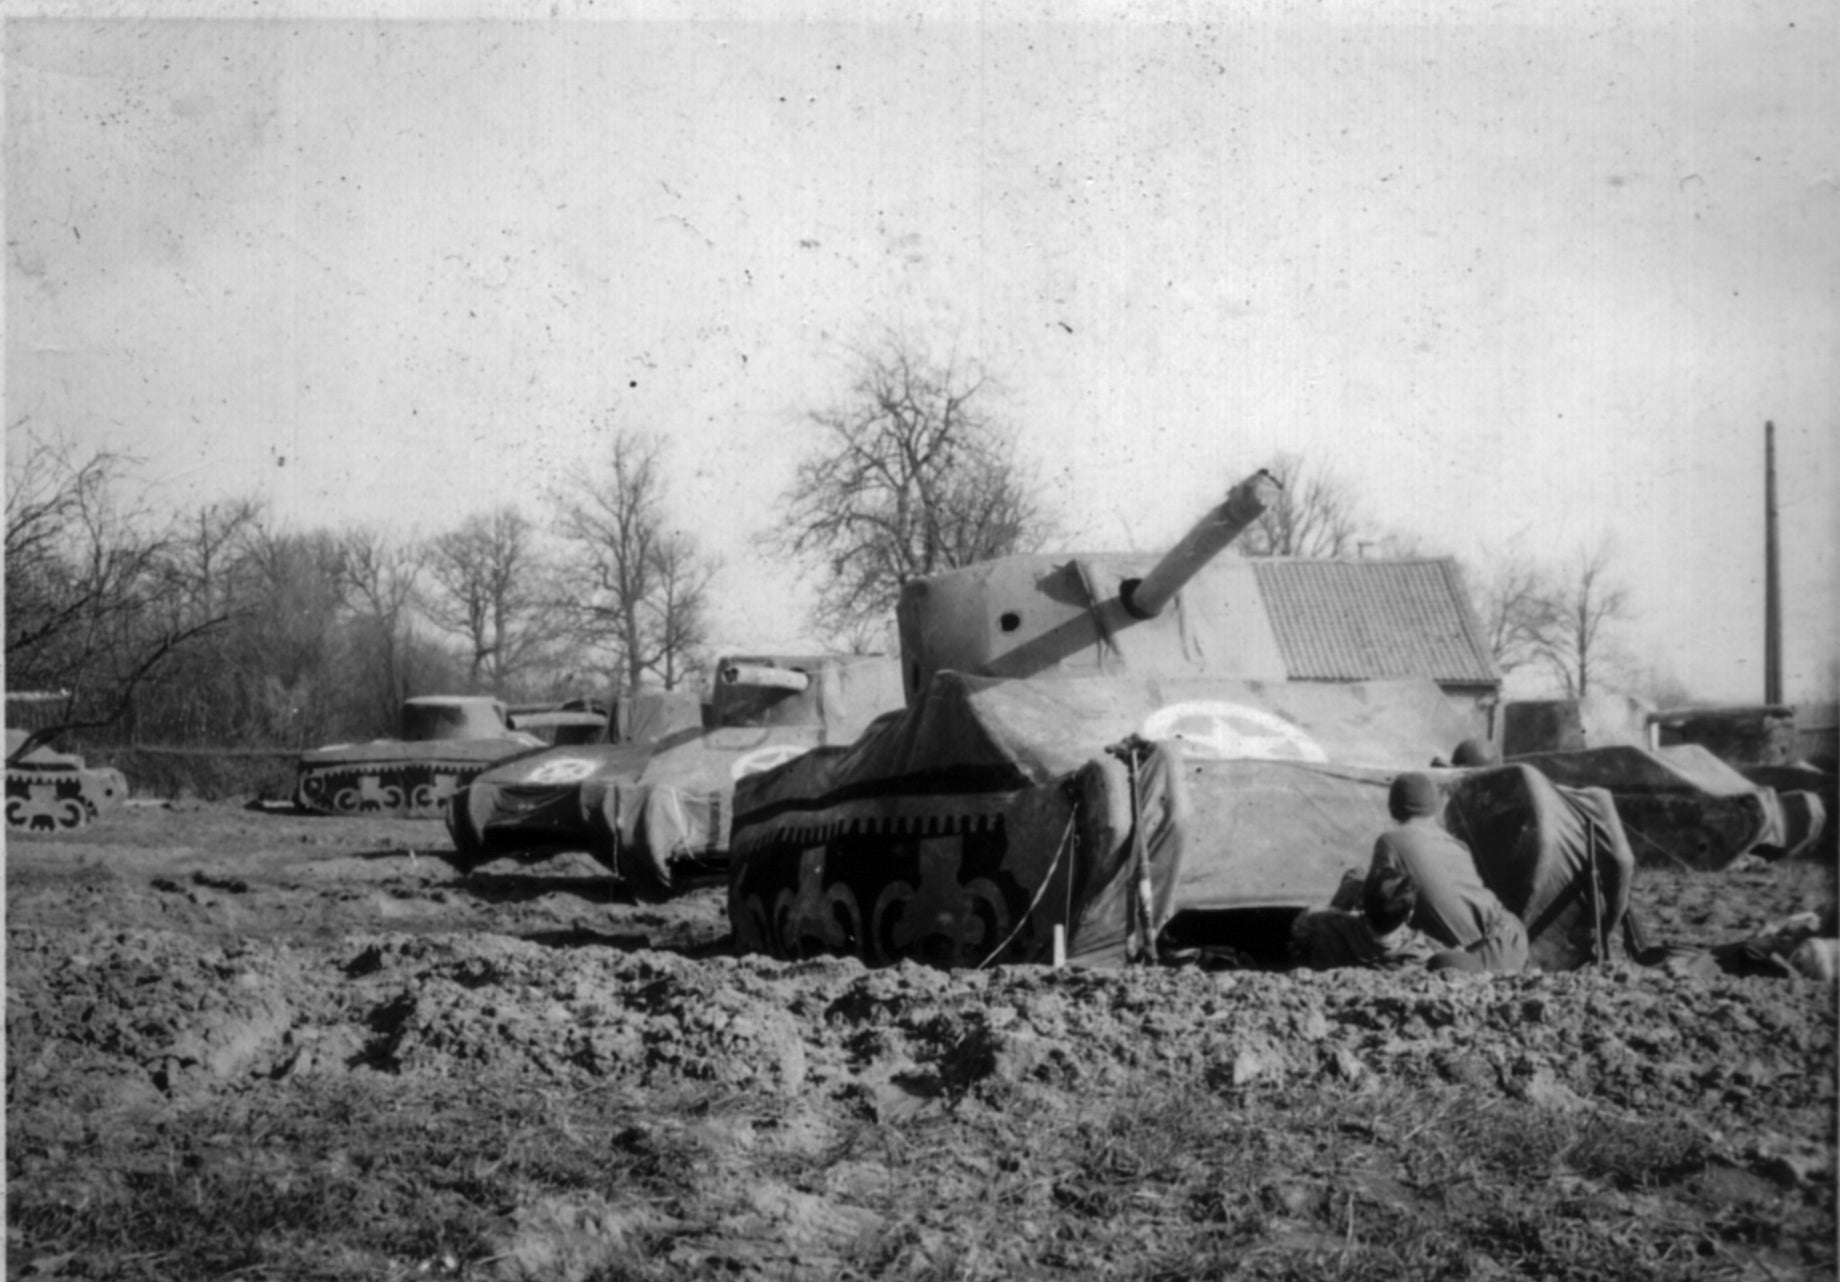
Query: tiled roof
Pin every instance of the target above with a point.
(1365, 620)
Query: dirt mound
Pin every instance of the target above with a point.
(118, 1011)
(179, 965)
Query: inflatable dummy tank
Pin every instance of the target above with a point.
(1682, 803)
(1763, 743)
(446, 740)
(1685, 807)
(658, 812)
(1099, 753)
(50, 791)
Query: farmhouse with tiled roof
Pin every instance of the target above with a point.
(1360, 620)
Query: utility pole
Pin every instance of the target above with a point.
(1772, 575)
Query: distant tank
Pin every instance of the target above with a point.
(446, 740)
(49, 791)
(1102, 757)
(656, 813)
(1690, 784)
(1763, 743)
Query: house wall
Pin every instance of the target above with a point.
(1568, 725)
(1480, 706)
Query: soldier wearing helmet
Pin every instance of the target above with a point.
(1454, 907)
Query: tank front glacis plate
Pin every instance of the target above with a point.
(534, 813)
(569, 766)
(537, 798)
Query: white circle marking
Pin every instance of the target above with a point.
(1218, 731)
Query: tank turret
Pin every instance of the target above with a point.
(436, 718)
(1100, 614)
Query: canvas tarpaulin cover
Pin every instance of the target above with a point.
(969, 796)
(1273, 834)
(1557, 857)
(973, 765)
(676, 812)
(643, 807)
(1680, 805)
(968, 738)
(960, 832)
(651, 811)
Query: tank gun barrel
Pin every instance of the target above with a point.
(764, 675)
(1145, 598)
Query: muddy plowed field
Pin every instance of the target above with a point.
(248, 1043)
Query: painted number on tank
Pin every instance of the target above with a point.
(1221, 731)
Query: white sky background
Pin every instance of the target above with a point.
(1524, 284)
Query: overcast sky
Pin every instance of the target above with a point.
(1527, 283)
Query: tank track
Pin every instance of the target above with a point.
(58, 800)
(940, 900)
(409, 791)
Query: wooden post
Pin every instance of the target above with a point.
(1772, 576)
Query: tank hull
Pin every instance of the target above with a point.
(991, 825)
(653, 814)
(59, 798)
(657, 812)
(1682, 805)
(49, 791)
(391, 777)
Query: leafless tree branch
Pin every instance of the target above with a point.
(910, 476)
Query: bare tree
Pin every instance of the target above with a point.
(493, 589)
(635, 587)
(912, 476)
(85, 614)
(1515, 602)
(1577, 618)
(682, 608)
(66, 548)
(1315, 515)
(207, 572)
(209, 553)
(290, 657)
(379, 579)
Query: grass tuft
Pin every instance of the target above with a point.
(387, 1177)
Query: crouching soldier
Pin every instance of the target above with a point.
(1378, 936)
(1453, 907)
